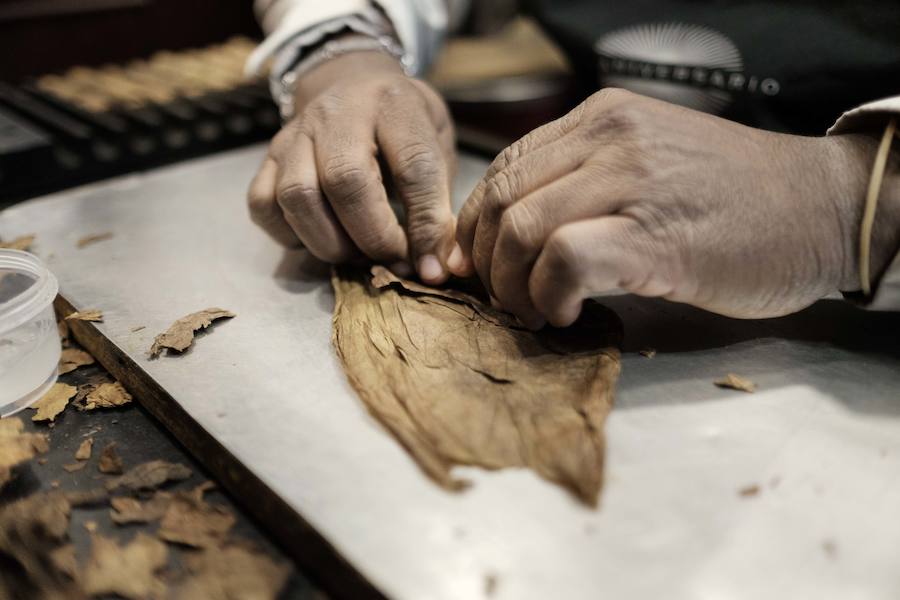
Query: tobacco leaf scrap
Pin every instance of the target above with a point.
(63, 328)
(131, 571)
(53, 402)
(94, 238)
(149, 476)
(110, 462)
(105, 395)
(23, 242)
(191, 521)
(84, 449)
(72, 358)
(736, 382)
(180, 335)
(130, 510)
(74, 467)
(92, 315)
(460, 383)
(234, 572)
(17, 446)
(32, 533)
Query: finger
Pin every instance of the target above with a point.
(525, 228)
(539, 168)
(586, 258)
(351, 179)
(411, 147)
(468, 216)
(304, 207)
(264, 210)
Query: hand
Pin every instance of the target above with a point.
(321, 184)
(633, 193)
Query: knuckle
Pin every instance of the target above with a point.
(297, 198)
(607, 96)
(565, 258)
(348, 181)
(519, 230)
(418, 166)
(500, 191)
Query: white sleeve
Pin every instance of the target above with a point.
(420, 24)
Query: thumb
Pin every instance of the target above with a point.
(586, 258)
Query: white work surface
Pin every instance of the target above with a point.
(821, 437)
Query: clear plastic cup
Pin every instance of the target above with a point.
(29, 338)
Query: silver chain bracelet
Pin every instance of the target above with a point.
(329, 50)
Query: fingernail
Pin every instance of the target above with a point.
(430, 268)
(401, 268)
(455, 260)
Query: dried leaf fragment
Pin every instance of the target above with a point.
(749, 490)
(17, 446)
(53, 402)
(131, 571)
(180, 335)
(33, 531)
(191, 521)
(84, 449)
(460, 383)
(648, 352)
(94, 238)
(149, 475)
(72, 358)
(106, 395)
(110, 461)
(736, 382)
(232, 573)
(74, 467)
(129, 510)
(92, 315)
(63, 328)
(22, 242)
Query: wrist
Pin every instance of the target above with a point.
(854, 157)
(345, 57)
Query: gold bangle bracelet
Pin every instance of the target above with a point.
(868, 220)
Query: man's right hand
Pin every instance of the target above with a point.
(321, 185)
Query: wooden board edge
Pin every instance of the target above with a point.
(312, 553)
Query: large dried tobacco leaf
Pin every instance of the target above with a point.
(459, 383)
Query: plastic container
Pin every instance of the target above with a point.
(29, 338)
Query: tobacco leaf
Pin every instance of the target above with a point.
(149, 475)
(63, 328)
(72, 358)
(23, 242)
(131, 571)
(180, 335)
(84, 450)
(234, 572)
(53, 402)
(32, 535)
(63, 559)
(94, 238)
(110, 462)
(105, 395)
(92, 315)
(191, 521)
(130, 510)
(460, 383)
(16, 447)
(736, 382)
